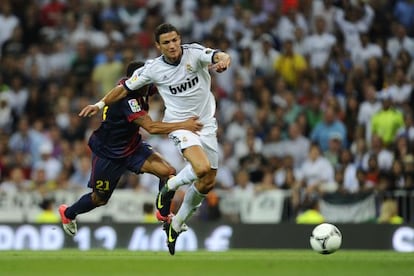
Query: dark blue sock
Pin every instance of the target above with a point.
(83, 205)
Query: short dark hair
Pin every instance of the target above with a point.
(163, 29)
(132, 66)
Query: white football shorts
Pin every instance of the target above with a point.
(207, 139)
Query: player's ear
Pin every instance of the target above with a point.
(158, 45)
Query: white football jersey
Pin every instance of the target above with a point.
(185, 87)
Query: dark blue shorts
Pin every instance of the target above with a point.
(106, 173)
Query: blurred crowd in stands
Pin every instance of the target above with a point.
(318, 98)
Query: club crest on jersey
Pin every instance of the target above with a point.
(189, 68)
(134, 77)
(133, 103)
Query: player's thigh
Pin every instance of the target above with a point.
(204, 155)
(105, 175)
(136, 161)
(198, 159)
(157, 165)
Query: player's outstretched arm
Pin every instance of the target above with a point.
(221, 61)
(155, 127)
(115, 94)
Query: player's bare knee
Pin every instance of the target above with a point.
(202, 170)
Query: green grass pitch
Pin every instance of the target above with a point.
(199, 263)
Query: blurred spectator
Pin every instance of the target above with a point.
(15, 46)
(51, 11)
(106, 74)
(285, 175)
(227, 167)
(205, 21)
(82, 66)
(273, 144)
(291, 20)
(399, 41)
(149, 213)
(408, 129)
(26, 140)
(40, 183)
(17, 95)
(16, 182)
(367, 50)
(328, 127)
(404, 13)
(346, 163)
(80, 177)
(327, 10)
(47, 215)
(237, 102)
(297, 145)
(400, 90)
(332, 154)
(246, 69)
(389, 213)
(384, 155)
(86, 32)
(339, 67)
(408, 162)
(352, 22)
(59, 58)
(6, 114)
(318, 45)
(372, 174)
(243, 186)
(50, 164)
(311, 215)
(397, 176)
(315, 172)
(265, 56)
(267, 182)
(290, 65)
(386, 122)
(8, 21)
(182, 18)
(237, 128)
(368, 108)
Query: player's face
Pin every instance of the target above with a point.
(170, 46)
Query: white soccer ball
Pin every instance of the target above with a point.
(326, 238)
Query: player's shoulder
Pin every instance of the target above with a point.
(193, 47)
(151, 62)
(151, 65)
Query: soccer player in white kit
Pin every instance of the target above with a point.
(181, 75)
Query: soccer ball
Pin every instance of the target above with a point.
(326, 238)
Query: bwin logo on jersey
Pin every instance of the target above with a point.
(183, 86)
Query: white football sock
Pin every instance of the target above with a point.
(185, 176)
(192, 200)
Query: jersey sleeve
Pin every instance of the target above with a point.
(139, 78)
(205, 55)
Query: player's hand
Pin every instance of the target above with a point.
(222, 64)
(89, 111)
(193, 124)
